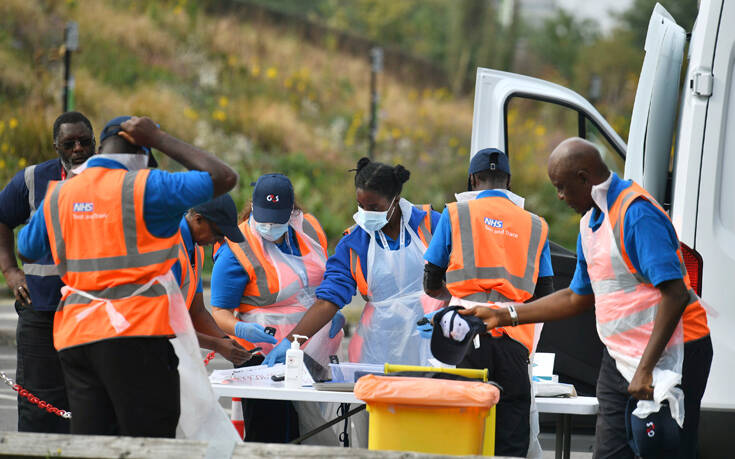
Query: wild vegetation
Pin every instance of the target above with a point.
(265, 99)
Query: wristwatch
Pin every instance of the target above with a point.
(513, 315)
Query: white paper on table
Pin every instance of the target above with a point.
(260, 375)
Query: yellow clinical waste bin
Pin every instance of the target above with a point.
(429, 415)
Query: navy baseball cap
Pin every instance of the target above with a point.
(223, 213)
(113, 127)
(657, 435)
(489, 159)
(449, 349)
(273, 199)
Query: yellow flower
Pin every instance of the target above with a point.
(178, 9)
(288, 82)
(255, 70)
(301, 87)
(540, 130)
(231, 60)
(271, 73)
(463, 151)
(191, 113)
(453, 142)
(219, 115)
(2, 164)
(2, 126)
(4, 147)
(223, 101)
(22, 162)
(395, 133)
(13, 123)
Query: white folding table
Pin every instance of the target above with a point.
(564, 407)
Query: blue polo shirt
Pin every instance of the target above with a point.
(229, 278)
(441, 244)
(190, 252)
(650, 241)
(167, 197)
(339, 286)
(15, 210)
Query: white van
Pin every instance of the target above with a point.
(694, 187)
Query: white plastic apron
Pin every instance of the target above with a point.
(202, 417)
(397, 300)
(298, 278)
(627, 352)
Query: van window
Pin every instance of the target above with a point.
(612, 158)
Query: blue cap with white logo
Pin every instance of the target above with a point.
(657, 434)
(489, 159)
(273, 199)
(113, 127)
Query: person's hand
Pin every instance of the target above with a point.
(427, 326)
(232, 351)
(338, 321)
(493, 318)
(141, 131)
(254, 333)
(641, 386)
(278, 353)
(16, 280)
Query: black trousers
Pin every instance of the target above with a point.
(612, 393)
(507, 364)
(123, 386)
(39, 371)
(268, 421)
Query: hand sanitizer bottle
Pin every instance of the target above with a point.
(294, 363)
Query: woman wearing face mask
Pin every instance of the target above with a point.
(382, 257)
(268, 280)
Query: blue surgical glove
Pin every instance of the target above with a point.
(278, 353)
(338, 321)
(427, 329)
(254, 333)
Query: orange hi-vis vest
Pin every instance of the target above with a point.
(265, 300)
(190, 273)
(424, 233)
(495, 257)
(616, 284)
(101, 245)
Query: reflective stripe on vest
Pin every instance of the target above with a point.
(190, 274)
(30, 179)
(694, 319)
(470, 270)
(36, 269)
(267, 286)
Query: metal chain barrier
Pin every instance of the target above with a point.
(33, 399)
(49, 407)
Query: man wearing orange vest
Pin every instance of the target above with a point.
(113, 232)
(630, 269)
(202, 225)
(490, 249)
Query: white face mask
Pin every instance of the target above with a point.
(373, 220)
(271, 231)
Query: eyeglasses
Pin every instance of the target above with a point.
(85, 142)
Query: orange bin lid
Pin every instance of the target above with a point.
(426, 392)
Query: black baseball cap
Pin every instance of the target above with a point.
(113, 127)
(448, 349)
(657, 435)
(273, 199)
(223, 213)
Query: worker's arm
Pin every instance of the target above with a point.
(674, 299)
(212, 337)
(14, 276)
(559, 305)
(225, 319)
(314, 319)
(434, 283)
(143, 131)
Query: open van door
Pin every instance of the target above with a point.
(654, 110)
